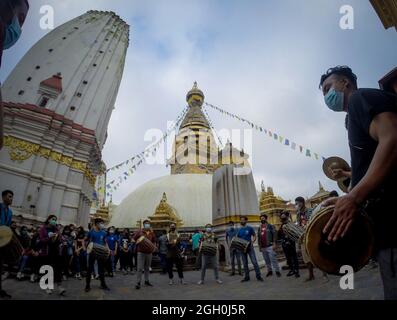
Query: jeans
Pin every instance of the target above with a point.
(251, 254)
(179, 267)
(204, 262)
(22, 263)
(163, 262)
(81, 261)
(235, 255)
(112, 262)
(144, 262)
(198, 256)
(387, 259)
(270, 258)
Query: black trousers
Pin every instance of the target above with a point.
(291, 256)
(179, 267)
(125, 258)
(101, 270)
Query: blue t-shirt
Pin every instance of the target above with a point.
(98, 237)
(111, 241)
(246, 233)
(196, 240)
(230, 234)
(5, 215)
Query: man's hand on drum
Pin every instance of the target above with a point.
(345, 211)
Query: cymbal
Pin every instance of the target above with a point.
(343, 184)
(333, 163)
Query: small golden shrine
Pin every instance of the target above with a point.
(272, 205)
(164, 215)
(102, 213)
(318, 197)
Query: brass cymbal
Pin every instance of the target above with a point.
(333, 163)
(343, 184)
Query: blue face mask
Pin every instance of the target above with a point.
(334, 100)
(12, 33)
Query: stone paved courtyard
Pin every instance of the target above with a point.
(367, 286)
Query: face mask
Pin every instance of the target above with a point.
(53, 222)
(101, 226)
(334, 100)
(12, 33)
(208, 229)
(146, 225)
(243, 223)
(172, 229)
(263, 221)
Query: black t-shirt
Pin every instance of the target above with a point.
(364, 106)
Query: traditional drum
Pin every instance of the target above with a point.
(98, 251)
(239, 244)
(293, 231)
(354, 249)
(10, 248)
(208, 248)
(145, 245)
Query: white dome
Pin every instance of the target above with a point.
(190, 195)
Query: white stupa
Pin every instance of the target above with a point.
(57, 102)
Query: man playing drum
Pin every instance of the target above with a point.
(174, 255)
(5, 220)
(372, 134)
(97, 235)
(248, 233)
(210, 240)
(267, 245)
(144, 252)
(231, 232)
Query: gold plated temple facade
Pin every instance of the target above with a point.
(272, 206)
(318, 197)
(387, 12)
(164, 216)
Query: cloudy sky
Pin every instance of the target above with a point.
(261, 60)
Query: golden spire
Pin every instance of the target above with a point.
(195, 96)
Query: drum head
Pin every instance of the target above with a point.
(354, 249)
(333, 163)
(89, 247)
(5, 236)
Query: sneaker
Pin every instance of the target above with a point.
(97, 277)
(278, 274)
(219, 281)
(92, 277)
(64, 278)
(171, 282)
(147, 283)
(78, 276)
(87, 289)
(138, 286)
(48, 291)
(183, 281)
(61, 290)
(269, 274)
(5, 275)
(20, 275)
(32, 278)
(245, 280)
(200, 282)
(260, 279)
(297, 275)
(290, 273)
(125, 272)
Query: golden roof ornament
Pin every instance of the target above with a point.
(195, 96)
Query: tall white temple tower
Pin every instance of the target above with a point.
(57, 103)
